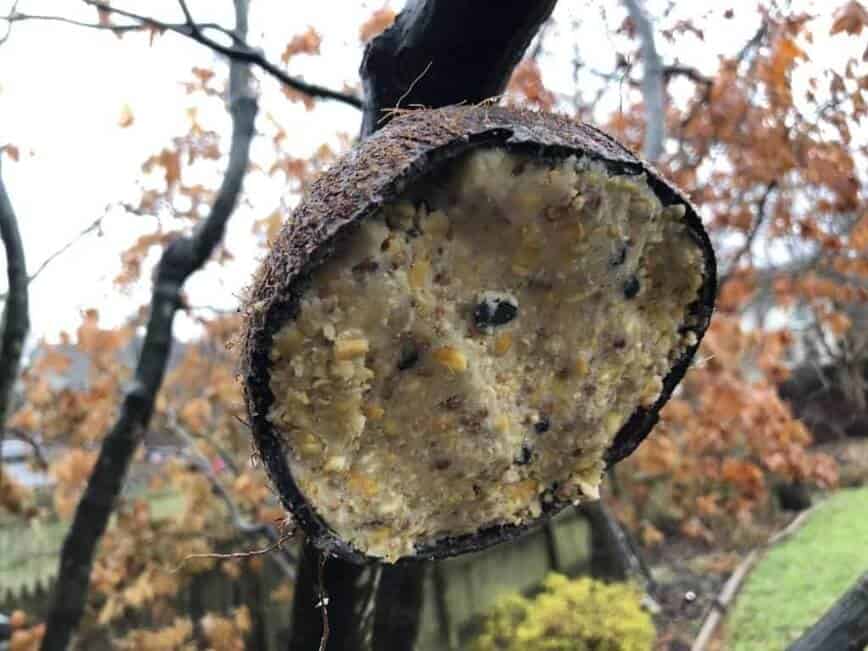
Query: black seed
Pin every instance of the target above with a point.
(619, 343)
(453, 402)
(494, 311)
(631, 287)
(442, 464)
(542, 425)
(367, 265)
(408, 357)
(619, 256)
(524, 455)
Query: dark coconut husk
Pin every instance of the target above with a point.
(376, 172)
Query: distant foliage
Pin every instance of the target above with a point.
(707, 471)
(569, 615)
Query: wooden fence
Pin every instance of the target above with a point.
(457, 591)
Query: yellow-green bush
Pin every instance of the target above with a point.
(569, 615)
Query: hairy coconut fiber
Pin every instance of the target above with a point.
(466, 319)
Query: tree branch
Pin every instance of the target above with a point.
(751, 236)
(5, 36)
(182, 258)
(16, 320)
(281, 556)
(471, 48)
(652, 83)
(239, 51)
(844, 626)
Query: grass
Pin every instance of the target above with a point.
(799, 579)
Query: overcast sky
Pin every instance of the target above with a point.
(64, 88)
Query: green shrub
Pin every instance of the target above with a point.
(569, 615)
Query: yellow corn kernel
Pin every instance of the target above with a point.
(335, 464)
(451, 358)
(652, 389)
(437, 224)
(573, 232)
(581, 366)
(528, 202)
(418, 276)
(501, 423)
(521, 491)
(502, 343)
(379, 535)
(525, 260)
(361, 483)
(612, 422)
(290, 341)
(346, 406)
(374, 412)
(351, 348)
(309, 445)
(531, 236)
(391, 427)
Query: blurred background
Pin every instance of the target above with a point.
(113, 140)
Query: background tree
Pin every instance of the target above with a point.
(767, 139)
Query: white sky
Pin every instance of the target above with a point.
(62, 90)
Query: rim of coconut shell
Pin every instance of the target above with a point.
(377, 171)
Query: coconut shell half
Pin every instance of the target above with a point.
(377, 172)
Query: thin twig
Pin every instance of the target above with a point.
(94, 226)
(38, 453)
(761, 211)
(284, 559)
(16, 17)
(181, 258)
(413, 84)
(240, 51)
(9, 28)
(234, 555)
(323, 602)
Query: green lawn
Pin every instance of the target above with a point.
(799, 579)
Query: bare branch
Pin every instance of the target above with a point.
(281, 556)
(182, 257)
(94, 226)
(38, 453)
(9, 28)
(652, 83)
(16, 321)
(188, 17)
(16, 17)
(751, 236)
(844, 626)
(240, 52)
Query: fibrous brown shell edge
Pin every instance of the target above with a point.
(375, 172)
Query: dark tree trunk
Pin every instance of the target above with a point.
(844, 627)
(614, 557)
(442, 52)
(438, 52)
(399, 603)
(347, 595)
